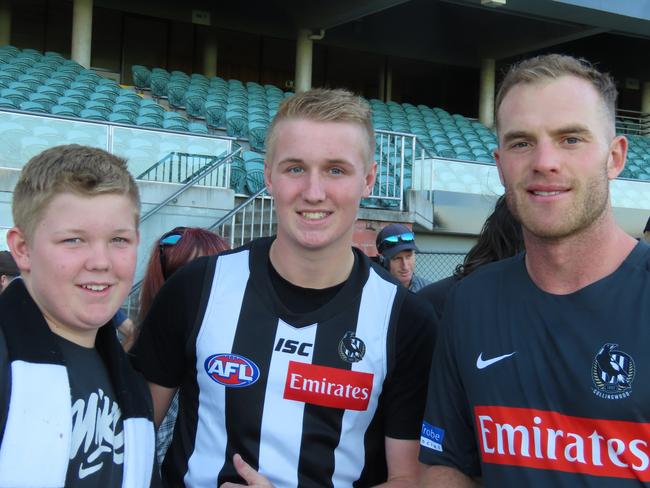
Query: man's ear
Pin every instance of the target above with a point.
(616, 157)
(370, 180)
(19, 248)
(267, 177)
(497, 160)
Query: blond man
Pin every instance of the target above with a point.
(294, 352)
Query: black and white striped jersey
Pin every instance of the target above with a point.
(306, 398)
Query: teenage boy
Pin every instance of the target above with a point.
(73, 411)
(295, 352)
(540, 373)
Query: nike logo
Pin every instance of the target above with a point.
(484, 363)
(83, 472)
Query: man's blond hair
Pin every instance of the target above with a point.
(80, 170)
(552, 66)
(325, 105)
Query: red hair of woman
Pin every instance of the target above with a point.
(174, 249)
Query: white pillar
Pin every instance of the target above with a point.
(304, 53)
(645, 98)
(5, 22)
(210, 48)
(82, 31)
(486, 95)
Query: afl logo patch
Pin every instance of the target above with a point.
(351, 348)
(612, 373)
(231, 370)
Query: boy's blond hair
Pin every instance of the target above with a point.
(325, 105)
(81, 170)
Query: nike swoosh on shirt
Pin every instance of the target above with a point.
(83, 472)
(484, 363)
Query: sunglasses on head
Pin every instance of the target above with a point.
(170, 238)
(391, 241)
(405, 237)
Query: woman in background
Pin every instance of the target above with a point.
(174, 249)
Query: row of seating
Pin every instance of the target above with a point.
(49, 83)
(244, 111)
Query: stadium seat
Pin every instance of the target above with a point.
(254, 166)
(215, 114)
(93, 114)
(197, 127)
(122, 117)
(7, 103)
(237, 175)
(64, 110)
(141, 76)
(34, 107)
(257, 133)
(237, 123)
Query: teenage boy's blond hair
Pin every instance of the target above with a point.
(325, 105)
(81, 170)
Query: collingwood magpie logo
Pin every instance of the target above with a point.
(351, 348)
(612, 372)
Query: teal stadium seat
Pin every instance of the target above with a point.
(237, 175)
(8, 103)
(254, 166)
(93, 114)
(63, 110)
(122, 117)
(197, 127)
(141, 76)
(215, 114)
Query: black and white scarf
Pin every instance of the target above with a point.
(35, 400)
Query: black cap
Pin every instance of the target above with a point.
(389, 250)
(8, 265)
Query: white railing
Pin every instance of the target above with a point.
(252, 218)
(631, 122)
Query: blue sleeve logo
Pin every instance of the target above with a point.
(432, 436)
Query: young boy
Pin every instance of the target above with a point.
(295, 351)
(72, 412)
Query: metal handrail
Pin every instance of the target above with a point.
(236, 210)
(155, 166)
(201, 173)
(135, 289)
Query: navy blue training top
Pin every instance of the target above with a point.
(533, 389)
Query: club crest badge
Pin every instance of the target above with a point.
(612, 373)
(351, 348)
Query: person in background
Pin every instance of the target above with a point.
(396, 246)
(8, 269)
(171, 251)
(126, 329)
(499, 238)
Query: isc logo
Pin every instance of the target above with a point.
(293, 347)
(232, 370)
